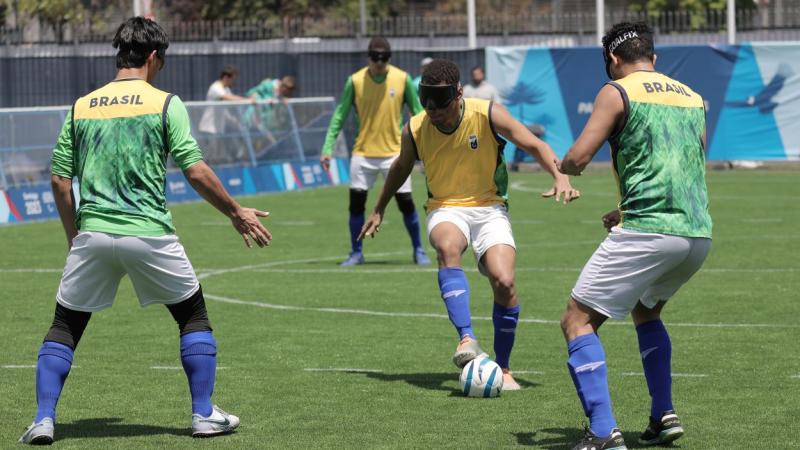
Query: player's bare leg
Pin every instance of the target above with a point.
(498, 263)
(450, 243)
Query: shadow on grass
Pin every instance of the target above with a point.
(567, 438)
(433, 381)
(105, 427)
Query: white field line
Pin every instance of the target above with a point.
(292, 223)
(23, 270)
(236, 301)
(25, 366)
(178, 368)
(341, 369)
(796, 376)
(358, 271)
(532, 372)
(250, 267)
(679, 375)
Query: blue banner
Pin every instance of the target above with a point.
(751, 92)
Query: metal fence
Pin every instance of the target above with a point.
(494, 24)
(230, 133)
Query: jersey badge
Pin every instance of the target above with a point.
(473, 142)
(391, 92)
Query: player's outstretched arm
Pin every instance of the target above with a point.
(522, 137)
(398, 173)
(609, 110)
(65, 202)
(245, 220)
(337, 123)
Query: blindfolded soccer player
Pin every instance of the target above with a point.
(658, 237)
(378, 93)
(459, 142)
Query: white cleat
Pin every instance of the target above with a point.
(467, 350)
(219, 422)
(509, 383)
(39, 433)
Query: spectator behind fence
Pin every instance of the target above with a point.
(269, 117)
(480, 88)
(220, 90)
(425, 61)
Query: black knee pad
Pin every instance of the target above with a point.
(191, 314)
(358, 201)
(68, 326)
(405, 203)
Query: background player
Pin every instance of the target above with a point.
(115, 142)
(378, 93)
(658, 237)
(457, 141)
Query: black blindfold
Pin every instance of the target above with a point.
(436, 96)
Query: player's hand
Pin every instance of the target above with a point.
(371, 226)
(562, 191)
(325, 160)
(247, 223)
(611, 219)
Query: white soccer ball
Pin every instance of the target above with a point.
(481, 377)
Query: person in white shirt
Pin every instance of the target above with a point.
(480, 88)
(220, 90)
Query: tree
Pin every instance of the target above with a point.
(56, 13)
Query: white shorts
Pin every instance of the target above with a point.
(482, 226)
(364, 171)
(158, 267)
(630, 267)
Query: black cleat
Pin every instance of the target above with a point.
(590, 441)
(662, 431)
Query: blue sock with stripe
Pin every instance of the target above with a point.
(655, 349)
(505, 330)
(356, 223)
(587, 366)
(412, 225)
(199, 359)
(455, 293)
(52, 368)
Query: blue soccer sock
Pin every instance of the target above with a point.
(412, 225)
(356, 223)
(587, 366)
(199, 358)
(505, 329)
(52, 368)
(656, 351)
(455, 293)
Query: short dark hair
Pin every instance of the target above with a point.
(478, 67)
(379, 43)
(630, 42)
(135, 39)
(441, 71)
(228, 71)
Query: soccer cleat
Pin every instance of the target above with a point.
(39, 433)
(219, 422)
(590, 441)
(509, 383)
(354, 259)
(467, 350)
(420, 258)
(662, 431)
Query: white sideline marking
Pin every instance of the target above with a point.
(366, 312)
(31, 270)
(292, 223)
(532, 372)
(795, 376)
(684, 375)
(212, 273)
(341, 369)
(178, 368)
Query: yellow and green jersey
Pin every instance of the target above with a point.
(116, 141)
(659, 159)
(464, 167)
(378, 101)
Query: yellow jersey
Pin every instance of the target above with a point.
(380, 112)
(465, 167)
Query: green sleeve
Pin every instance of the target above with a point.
(411, 97)
(62, 153)
(182, 145)
(339, 117)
